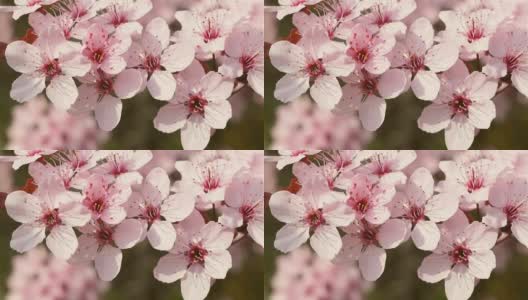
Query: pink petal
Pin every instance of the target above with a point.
(495, 218)
(520, 81)
(520, 230)
(177, 57)
(441, 57)
(23, 57)
(326, 241)
(434, 268)
(108, 112)
(392, 233)
(441, 207)
(170, 268)
(196, 283)
(426, 235)
(113, 65)
(62, 241)
(377, 65)
(128, 84)
(338, 214)
(426, 85)
(290, 237)
(161, 235)
(287, 57)
(481, 114)
(372, 262)
(479, 237)
(291, 87)
(460, 283)
(423, 28)
(481, 264)
(392, 84)
(196, 134)
(215, 236)
(177, 207)
(287, 207)
(162, 85)
(108, 263)
(423, 179)
(377, 215)
(159, 28)
(460, 134)
(159, 179)
(170, 118)
(256, 81)
(128, 233)
(217, 264)
(74, 215)
(372, 112)
(434, 118)
(27, 87)
(114, 215)
(26, 237)
(217, 114)
(256, 231)
(23, 207)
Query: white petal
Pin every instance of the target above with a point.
(256, 231)
(291, 87)
(372, 113)
(161, 235)
(171, 117)
(326, 91)
(177, 207)
(287, 207)
(26, 237)
(290, 237)
(170, 268)
(520, 230)
(195, 284)
(392, 233)
(27, 86)
(108, 263)
(459, 284)
(177, 57)
(441, 57)
(481, 264)
(128, 233)
(62, 91)
(441, 207)
(392, 84)
(62, 241)
(459, 135)
(162, 85)
(128, 83)
(287, 57)
(216, 114)
(196, 134)
(23, 207)
(481, 114)
(372, 262)
(108, 112)
(434, 118)
(23, 57)
(217, 264)
(426, 235)
(326, 241)
(426, 85)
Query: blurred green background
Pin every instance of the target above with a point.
(136, 130)
(399, 281)
(400, 131)
(135, 281)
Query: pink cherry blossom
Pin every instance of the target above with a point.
(314, 63)
(102, 93)
(123, 15)
(471, 181)
(104, 199)
(157, 59)
(104, 50)
(102, 243)
(462, 106)
(46, 213)
(471, 30)
(25, 157)
(244, 199)
(157, 210)
(463, 256)
(24, 7)
(51, 59)
(509, 49)
(245, 56)
(509, 206)
(369, 49)
(205, 30)
(421, 210)
(307, 214)
(200, 257)
(422, 60)
(199, 105)
(367, 243)
(388, 165)
(289, 157)
(388, 15)
(368, 198)
(367, 93)
(124, 165)
(288, 7)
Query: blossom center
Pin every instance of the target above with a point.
(196, 104)
(104, 234)
(369, 85)
(248, 62)
(512, 212)
(475, 31)
(152, 213)
(196, 254)
(382, 17)
(298, 2)
(98, 55)
(368, 235)
(474, 183)
(361, 55)
(33, 2)
(152, 63)
(98, 205)
(415, 214)
(247, 212)
(315, 68)
(105, 86)
(51, 218)
(460, 254)
(51, 68)
(315, 218)
(360, 205)
(211, 31)
(416, 63)
(118, 169)
(512, 62)
(460, 104)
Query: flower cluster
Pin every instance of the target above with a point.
(356, 205)
(36, 124)
(352, 55)
(89, 55)
(89, 206)
(38, 275)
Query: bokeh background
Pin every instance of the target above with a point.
(135, 281)
(38, 121)
(310, 125)
(399, 281)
